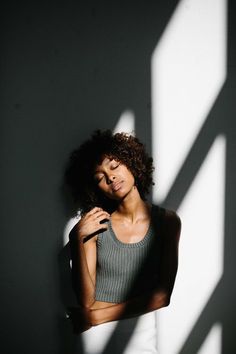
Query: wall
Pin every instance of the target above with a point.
(66, 69)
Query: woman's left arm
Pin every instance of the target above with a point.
(160, 296)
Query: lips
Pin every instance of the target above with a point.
(116, 186)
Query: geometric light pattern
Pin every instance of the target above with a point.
(200, 252)
(188, 71)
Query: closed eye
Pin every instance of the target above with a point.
(98, 179)
(113, 167)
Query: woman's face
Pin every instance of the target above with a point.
(114, 179)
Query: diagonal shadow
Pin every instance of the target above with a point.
(218, 308)
(202, 326)
(211, 127)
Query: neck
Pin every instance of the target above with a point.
(133, 207)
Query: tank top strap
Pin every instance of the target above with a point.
(162, 212)
(158, 214)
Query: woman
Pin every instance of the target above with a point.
(124, 250)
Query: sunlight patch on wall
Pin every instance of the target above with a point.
(188, 71)
(67, 229)
(213, 342)
(201, 251)
(126, 123)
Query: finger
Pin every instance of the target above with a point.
(98, 228)
(100, 219)
(100, 224)
(93, 211)
(99, 214)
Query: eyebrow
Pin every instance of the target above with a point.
(95, 172)
(108, 163)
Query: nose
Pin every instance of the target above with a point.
(111, 179)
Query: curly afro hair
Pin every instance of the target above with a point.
(122, 147)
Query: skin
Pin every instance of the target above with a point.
(130, 222)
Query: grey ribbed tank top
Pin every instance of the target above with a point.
(127, 270)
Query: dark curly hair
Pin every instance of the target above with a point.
(122, 147)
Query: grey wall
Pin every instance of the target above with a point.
(68, 68)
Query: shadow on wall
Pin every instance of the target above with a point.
(218, 308)
(68, 69)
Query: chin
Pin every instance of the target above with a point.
(121, 195)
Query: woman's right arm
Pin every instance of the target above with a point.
(83, 268)
(83, 253)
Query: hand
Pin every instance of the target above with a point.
(90, 223)
(80, 319)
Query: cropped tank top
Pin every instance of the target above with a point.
(125, 270)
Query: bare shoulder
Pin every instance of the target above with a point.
(73, 237)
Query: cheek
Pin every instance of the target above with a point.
(101, 187)
(130, 177)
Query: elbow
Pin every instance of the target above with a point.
(84, 301)
(86, 304)
(161, 299)
(166, 301)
